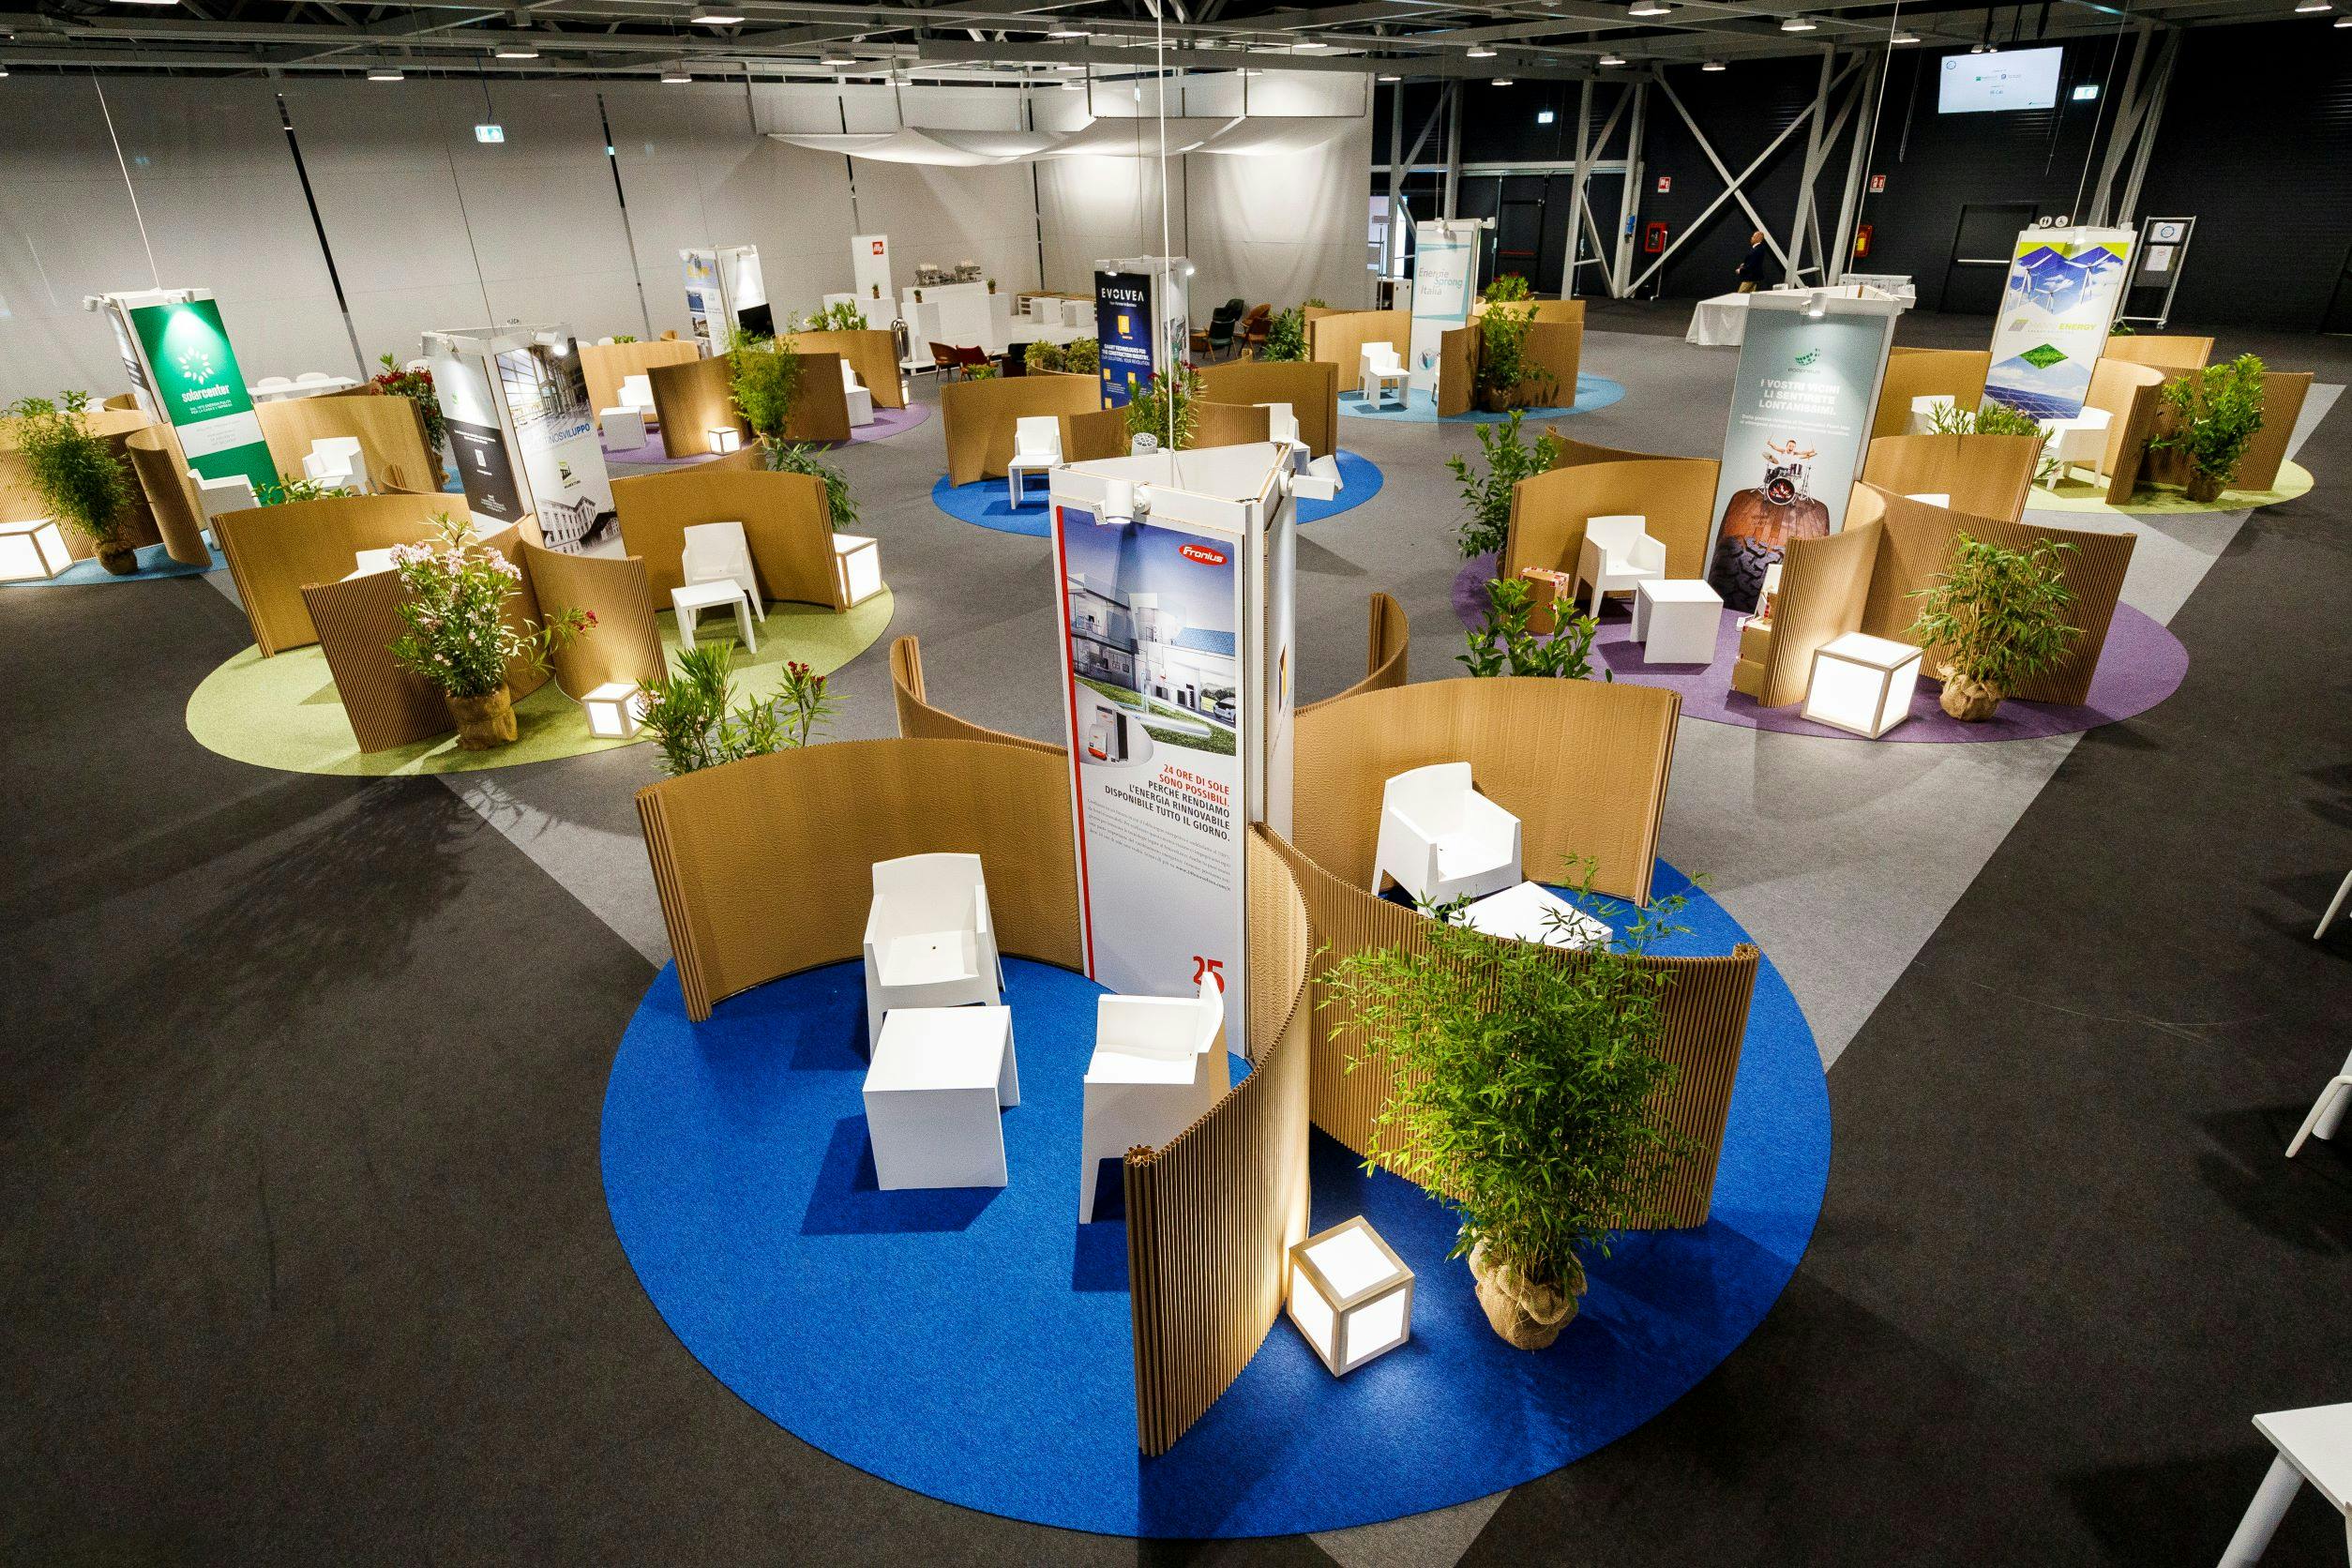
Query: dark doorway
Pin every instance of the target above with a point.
(1980, 248)
(2338, 321)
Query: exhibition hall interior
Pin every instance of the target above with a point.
(1115, 783)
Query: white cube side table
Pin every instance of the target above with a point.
(32, 549)
(940, 1077)
(624, 428)
(1861, 684)
(1676, 620)
(1524, 914)
(695, 598)
(856, 569)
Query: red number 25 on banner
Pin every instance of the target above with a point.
(1214, 968)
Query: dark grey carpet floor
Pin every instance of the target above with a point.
(306, 1258)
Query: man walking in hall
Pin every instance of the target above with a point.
(1750, 272)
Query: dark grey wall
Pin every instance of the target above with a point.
(2255, 143)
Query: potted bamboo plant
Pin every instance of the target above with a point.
(77, 474)
(458, 635)
(2216, 412)
(1999, 616)
(1524, 1087)
(763, 379)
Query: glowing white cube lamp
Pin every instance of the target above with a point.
(1861, 684)
(1351, 1295)
(614, 710)
(727, 439)
(856, 568)
(32, 548)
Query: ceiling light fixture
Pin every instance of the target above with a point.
(1390, 79)
(151, 2)
(1612, 58)
(1903, 37)
(517, 52)
(1545, 116)
(1501, 82)
(1069, 33)
(382, 73)
(837, 58)
(1712, 65)
(2306, 7)
(1480, 52)
(1798, 24)
(1069, 65)
(1310, 46)
(715, 18)
(1648, 8)
(676, 74)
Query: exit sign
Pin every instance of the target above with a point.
(1665, 184)
(1877, 185)
(490, 133)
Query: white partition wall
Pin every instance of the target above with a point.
(221, 203)
(1281, 228)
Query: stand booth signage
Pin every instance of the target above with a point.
(1799, 428)
(1142, 319)
(2064, 285)
(1445, 278)
(1174, 572)
(869, 265)
(184, 372)
(724, 293)
(516, 404)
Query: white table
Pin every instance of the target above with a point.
(940, 1077)
(1676, 620)
(624, 428)
(1924, 410)
(1527, 913)
(1720, 322)
(695, 598)
(2315, 1445)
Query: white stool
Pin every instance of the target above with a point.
(624, 428)
(940, 1077)
(2315, 1445)
(1676, 620)
(690, 601)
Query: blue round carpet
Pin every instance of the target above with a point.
(990, 502)
(974, 1345)
(1592, 392)
(155, 561)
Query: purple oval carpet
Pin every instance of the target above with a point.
(2142, 664)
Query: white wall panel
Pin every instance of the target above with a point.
(946, 216)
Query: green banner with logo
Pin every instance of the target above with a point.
(201, 391)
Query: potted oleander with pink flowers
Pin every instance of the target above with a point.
(459, 637)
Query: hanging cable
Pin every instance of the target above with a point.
(153, 271)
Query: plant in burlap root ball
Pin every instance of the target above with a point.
(76, 473)
(459, 637)
(1998, 617)
(1525, 1082)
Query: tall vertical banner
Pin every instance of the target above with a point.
(1122, 327)
(1177, 657)
(2064, 286)
(188, 374)
(706, 311)
(1445, 277)
(869, 265)
(725, 291)
(516, 406)
(1801, 407)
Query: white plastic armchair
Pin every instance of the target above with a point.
(1037, 449)
(1159, 1062)
(718, 552)
(337, 459)
(1441, 839)
(638, 392)
(1379, 372)
(929, 939)
(1282, 425)
(855, 394)
(1618, 554)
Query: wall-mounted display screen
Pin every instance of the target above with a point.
(2010, 79)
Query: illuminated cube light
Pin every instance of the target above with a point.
(32, 548)
(727, 440)
(1351, 1295)
(614, 710)
(1861, 684)
(856, 568)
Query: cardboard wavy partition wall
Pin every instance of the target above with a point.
(19, 500)
(784, 520)
(1986, 476)
(764, 867)
(2172, 353)
(1388, 646)
(391, 434)
(626, 643)
(2282, 394)
(977, 417)
(1548, 510)
(357, 620)
(1213, 1213)
(919, 721)
(691, 400)
(2132, 395)
(606, 366)
(275, 551)
(1555, 346)
(1862, 579)
(172, 495)
(1310, 386)
(1955, 374)
(1091, 437)
(1229, 424)
(873, 354)
(1457, 370)
(1706, 1024)
(1338, 339)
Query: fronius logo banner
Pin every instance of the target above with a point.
(2063, 287)
(201, 392)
